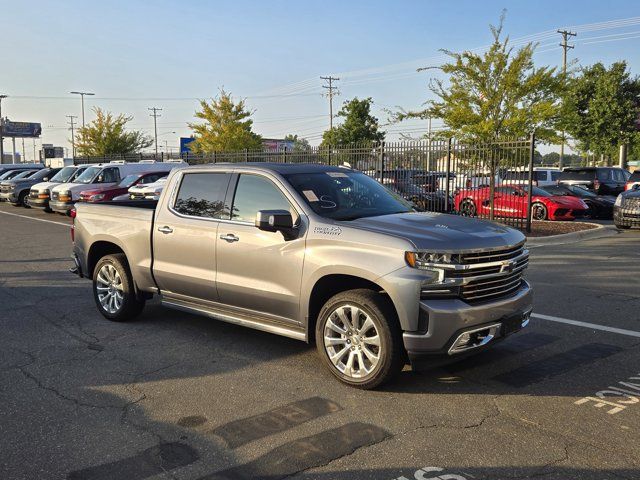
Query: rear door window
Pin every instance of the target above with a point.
(555, 175)
(578, 175)
(606, 174)
(202, 195)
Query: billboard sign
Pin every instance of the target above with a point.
(277, 144)
(184, 144)
(21, 129)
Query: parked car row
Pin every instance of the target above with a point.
(58, 189)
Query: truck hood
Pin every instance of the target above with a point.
(44, 186)
(438, 232)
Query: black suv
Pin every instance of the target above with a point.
(601, 180)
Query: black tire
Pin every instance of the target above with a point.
(468, 208)
(623, 227)
(22, 200)
(539, 211)
(391, 353)
(131, 305)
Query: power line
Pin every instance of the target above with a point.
(155, 116)
(331, 92)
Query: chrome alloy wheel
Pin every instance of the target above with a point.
(352, 342)
(109, 288)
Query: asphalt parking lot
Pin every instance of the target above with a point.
(173, 395)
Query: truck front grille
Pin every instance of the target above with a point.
(489, 275)
(5, 188)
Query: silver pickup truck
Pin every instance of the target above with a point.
(315, 253)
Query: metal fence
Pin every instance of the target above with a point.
(491, 181)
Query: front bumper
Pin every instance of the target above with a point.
(38, 202)
(8, 197)
(61, 207)
(447, 319)
(626, 217)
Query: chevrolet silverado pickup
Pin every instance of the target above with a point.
(317, 253)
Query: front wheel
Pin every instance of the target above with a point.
(538, 211)
(113, 289)
(23, 200)
(468, 208)
(359, 338)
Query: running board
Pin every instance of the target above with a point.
(237, 319)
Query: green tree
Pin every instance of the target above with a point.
(499, 93)
(299, 144)
(227, 126)
(601, 107)
(359, 126)
(107, 135)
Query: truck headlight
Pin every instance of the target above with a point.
(426, 260)
(618, 201)
(64, 196)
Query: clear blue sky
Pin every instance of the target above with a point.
(137, 54)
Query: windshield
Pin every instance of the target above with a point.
(536, 191)
(9, 174)
(88, 175)
(129, 180)
(63, 175)
(25, 174)
(581, 192)
(346, 195)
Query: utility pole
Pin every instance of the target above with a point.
(73, 138)
(34, 150)
(332, 91)
(565, 46)
(155, 116)
(24, 152)
(1, 139)
(429, 166)
(82, 94)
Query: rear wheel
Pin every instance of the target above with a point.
(468, 208)
(538, 211)
(359, 338)
(113, 289)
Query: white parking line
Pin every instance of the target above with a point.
(36, 219)
(593, 326)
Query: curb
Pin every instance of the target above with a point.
(600, 231)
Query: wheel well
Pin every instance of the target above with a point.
(327, 287)
(97, 251)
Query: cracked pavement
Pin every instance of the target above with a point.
(84, 398)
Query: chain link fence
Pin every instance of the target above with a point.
(491, 181)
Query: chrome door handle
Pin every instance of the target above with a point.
(229, 237)
(165, 229)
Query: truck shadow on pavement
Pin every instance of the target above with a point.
(166, 393)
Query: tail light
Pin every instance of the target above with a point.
(628, 185)
(72, 214)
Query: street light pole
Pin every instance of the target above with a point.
(82, 94)
(1, 139)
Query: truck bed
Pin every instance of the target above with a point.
(127, 226)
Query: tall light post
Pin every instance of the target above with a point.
(82, 94)
(1, 139)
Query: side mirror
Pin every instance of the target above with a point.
(275, 221)
(100, 179)
(45, 179)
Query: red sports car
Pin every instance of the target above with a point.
(108, 193)
(511, 201)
